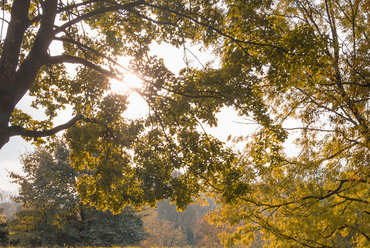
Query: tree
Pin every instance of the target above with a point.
(4, 232)
(3, 196)
(210, 235)
(109, 29)
(305, 61)
(185, 220)
(54, 214)
(162, 232)
(9, 209)
(94, 34)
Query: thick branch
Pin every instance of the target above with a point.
(82, 61)
(352, 199)
(18, 130)
(76, 5)
(66, 8)
(84, 47)
(86, 16)
(330, 192)
(30, 67)
(18, 24)
(21, 131)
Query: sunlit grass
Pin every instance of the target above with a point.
(71, 247)
(96, 247)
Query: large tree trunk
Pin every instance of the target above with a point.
(16, 78)
(6, 109)
(8, 64)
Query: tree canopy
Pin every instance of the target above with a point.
(298, 60)
(132, 161)
(314, 69)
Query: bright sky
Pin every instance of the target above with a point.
(174, 60)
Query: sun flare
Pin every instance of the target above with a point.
(129, 83)
(137, 107)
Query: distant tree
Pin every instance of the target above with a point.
(208, 235)
(162, 232)
(53, 212)
(4, 231)
(7, 204)
(10, 208)
(2, 195)
(186, 219)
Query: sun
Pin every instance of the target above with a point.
(129, 83)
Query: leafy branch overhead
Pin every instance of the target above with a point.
(281, 62)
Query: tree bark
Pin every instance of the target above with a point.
(8, 63)
(15, 78)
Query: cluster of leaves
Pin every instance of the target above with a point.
(53, 214)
